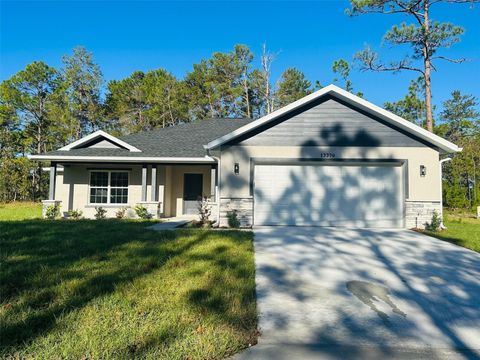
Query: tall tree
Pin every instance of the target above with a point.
(412, 106)
(34, 93)
(30, 102)
(218, 87)
(460, 123)
(267, 59)
(460, 117)
(341, 68)
(83, 80)
(165, 98)
(9, 130)
(244, 58)
(258, 93)
(292, 86)
(127, 104)
(425, 37)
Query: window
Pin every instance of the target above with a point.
(108, 187)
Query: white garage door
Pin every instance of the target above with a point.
(328, 195)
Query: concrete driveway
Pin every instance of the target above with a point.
(342, 293)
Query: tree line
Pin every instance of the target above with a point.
(43, 108)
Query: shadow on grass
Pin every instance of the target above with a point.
(52, 268)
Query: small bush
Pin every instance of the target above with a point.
(435, 223)
(101, 213)
(204, 212)
(75, 214)
(120, 213)
(142, 212)
(233, 221)
(53, 211)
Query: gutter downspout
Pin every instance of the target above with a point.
(217, 196)
(443, 227)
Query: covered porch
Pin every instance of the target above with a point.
(164, 189)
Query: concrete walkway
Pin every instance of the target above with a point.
(171, 223)
(339, 293)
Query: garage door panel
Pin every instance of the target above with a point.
(328, 195)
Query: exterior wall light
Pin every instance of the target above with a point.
(236, 168)
(423, 171)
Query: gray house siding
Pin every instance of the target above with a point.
(329, 122)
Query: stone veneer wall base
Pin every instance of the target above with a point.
(419, 213)
(244, 208)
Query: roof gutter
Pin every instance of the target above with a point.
(124, 159)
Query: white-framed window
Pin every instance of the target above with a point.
(108, 187)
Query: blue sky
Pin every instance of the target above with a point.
(127, 36)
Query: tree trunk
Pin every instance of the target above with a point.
(428, 69)
(247, 98)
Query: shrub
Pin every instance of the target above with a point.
(101, 213)
(233, 221)
(120, 213)
(142, 212)
(435, 223)
(53, 211)
(75, 214)
(204, 212)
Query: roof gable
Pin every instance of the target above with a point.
(327, 121)
(102, 140)
(360, 104)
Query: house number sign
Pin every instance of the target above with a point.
(327, 155)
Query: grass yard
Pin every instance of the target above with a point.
(462, 229)
(112, 290)
(20, 211)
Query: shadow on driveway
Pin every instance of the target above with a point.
(364, 293)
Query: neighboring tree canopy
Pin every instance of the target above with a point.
(292, 86)
(341, 68)
(460, 123)
(425, 37)
(83, 81)
(33, 96)
(412, 106)
(144, 101)
(460, 117)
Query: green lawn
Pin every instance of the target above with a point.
(462, 229)
(20, 211)
(110, 289)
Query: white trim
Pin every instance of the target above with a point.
(96, 135)
(126, 159)
(406, 125)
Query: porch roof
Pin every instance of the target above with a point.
(180, 143)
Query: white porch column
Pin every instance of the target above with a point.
(53, 179)
(213, 183)
(144, 182)
(161, 189)
(154, 183)
(46, 204)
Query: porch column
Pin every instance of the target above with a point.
(53, 178)
(213, 183)
(154, 183)
(161, 188)
(144, 182)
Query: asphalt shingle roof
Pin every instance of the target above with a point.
(184, 140)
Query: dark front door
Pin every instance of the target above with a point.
(192, 192)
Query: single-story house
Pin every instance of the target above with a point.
(328, 159)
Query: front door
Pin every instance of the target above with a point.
(192, 192)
